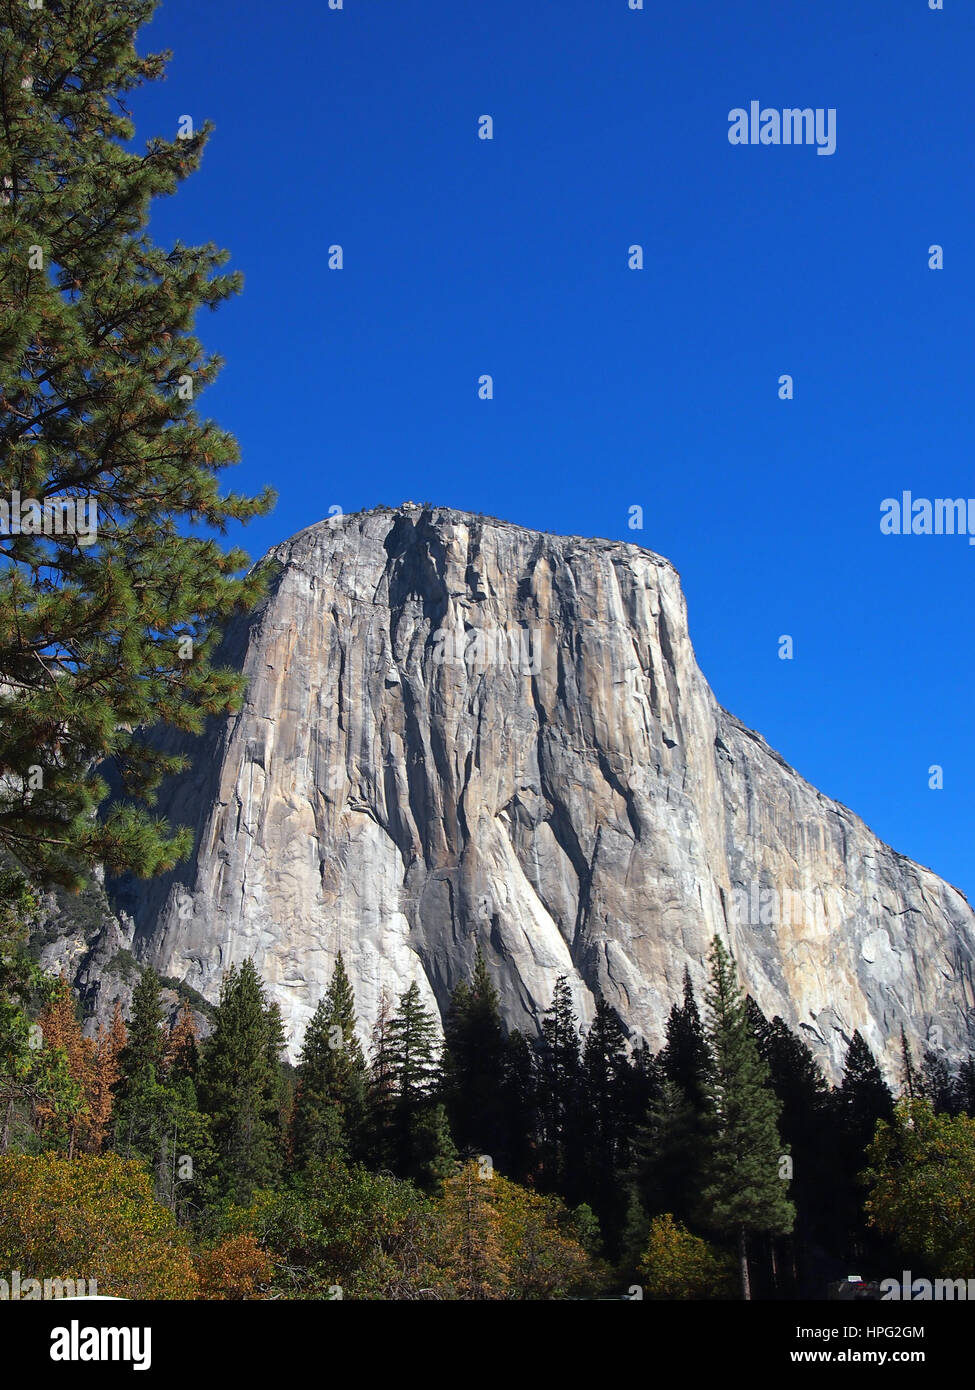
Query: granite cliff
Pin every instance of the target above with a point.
(459, 732)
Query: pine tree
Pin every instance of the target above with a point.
(864, 1096)
(102, 631)
(380, 1091)
(938, 1084)
(862, 1099)
(669, 1141)
(473, 1062)
(433, 1154)
(646, 1083)
(912, 1085)
(965, 1087)
(560, 1092)
(329, 1110)
(804, 1124)
(145, 1040)
(239, 1084)
(606, 1067)
(413, 1047)
(519, 1095)
(684, 1059)
(633, 1239)
(668, 1151)
(743, 1193)
(141, 1099)
(607, 1084)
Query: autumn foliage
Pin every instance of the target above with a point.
(237, 1268)
(678, 1264)
(91, 1218)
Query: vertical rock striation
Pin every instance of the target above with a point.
(459, 732)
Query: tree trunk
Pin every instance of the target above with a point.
(746, 1288)
(5, 1133)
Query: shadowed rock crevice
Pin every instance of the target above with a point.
(598, 815)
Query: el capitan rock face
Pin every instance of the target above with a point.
(459, 732)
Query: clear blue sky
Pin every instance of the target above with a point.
(615, 387)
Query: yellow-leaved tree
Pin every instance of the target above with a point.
(922, 1186)
(680, 1265)
(91, 1218)
(503, 1241)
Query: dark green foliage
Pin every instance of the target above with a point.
(669, 1143)
(474, 1065)
(155, 1115)
(239, 1086)
(744, 1192)
(560, 1114)
(30, 1076)
(413, 1048)
(143, 1051)
(912, 1085)
(607, 1077)
(633, 1239)
(937, 1083)
(684, 1059)
(861, 1100)
(330, 1098)
(863, 1097)
(668, 1154)
(141, 1110)
(965, 1086)
(805, 1125)
(408, 1130)
(97, 362)
(519, 1091)
(431, 1154)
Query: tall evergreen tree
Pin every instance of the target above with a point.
(143, 1104)
(864, 1096)
(744, 1192)
(560, 1093)
(668, 1152)
(102, 631)
(669, 1142)
(684, 1059)
(239, 1084)
(413, 1049)
(861, 1100)
(938, 1085)
(380, 1091)
(804, 1125)
(519, 1094)
(420, 1137)
(965, 1087)
(607, 1135)
(331, 1079)
(473, 1066)
(912, 1084)
(145, 1040)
